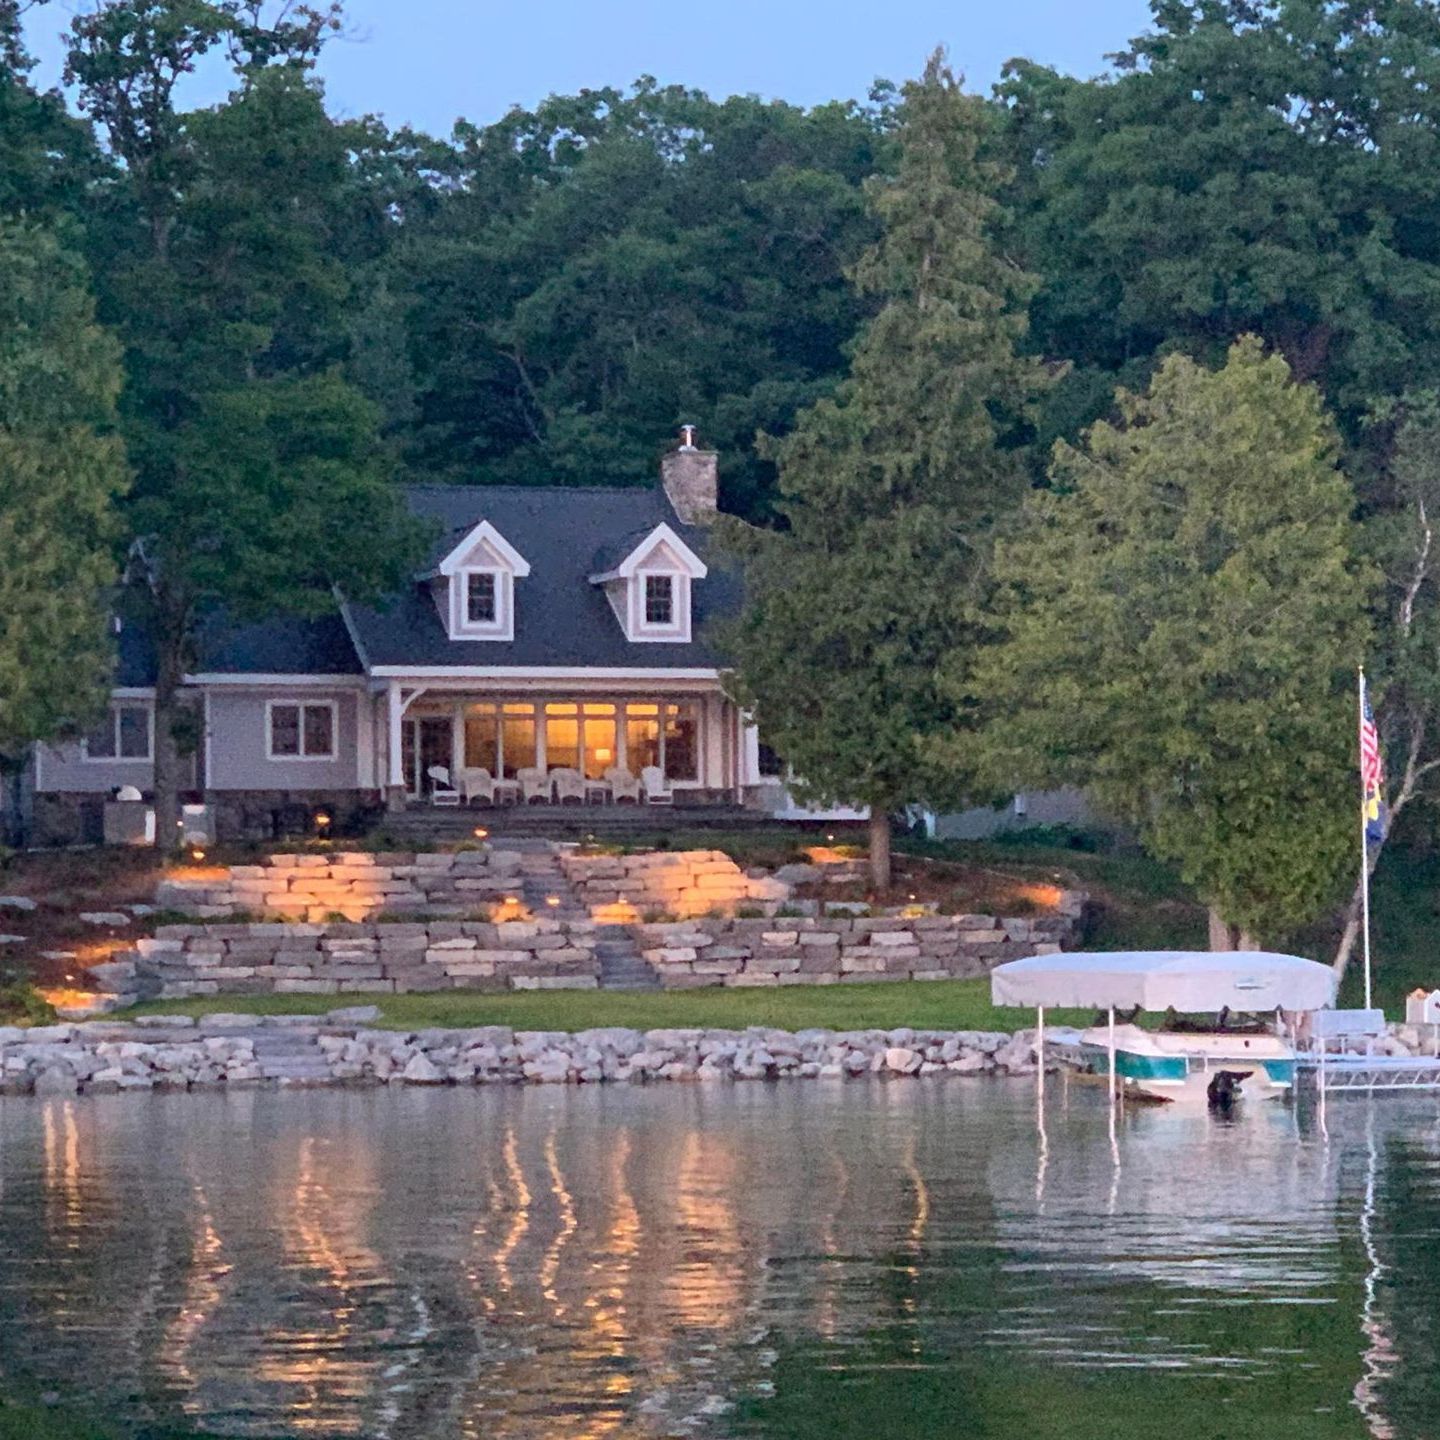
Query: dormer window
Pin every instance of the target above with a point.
(482, 597)
(660, 600)
(474, 585)
(650, 587)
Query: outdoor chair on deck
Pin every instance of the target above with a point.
(657, 792)
(534, 784)
(477, 783)
(623, 785)
(569, 785)
(442, 792)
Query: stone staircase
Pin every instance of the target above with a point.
(622, 967)
(542, 880)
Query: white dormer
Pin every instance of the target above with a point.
(649, 590)
(474, 586)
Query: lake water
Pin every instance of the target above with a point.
(913, 1259)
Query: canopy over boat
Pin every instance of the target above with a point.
(1190, 981)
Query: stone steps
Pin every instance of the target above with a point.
(622, 967)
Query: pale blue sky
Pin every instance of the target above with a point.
(425, 62)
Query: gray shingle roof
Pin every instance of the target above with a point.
(561, 620)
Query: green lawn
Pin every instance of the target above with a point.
(924, 1005)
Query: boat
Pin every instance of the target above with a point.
(1220, 1039)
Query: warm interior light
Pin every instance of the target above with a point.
(603, 754)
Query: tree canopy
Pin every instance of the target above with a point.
(1182, 614)
(888, 489)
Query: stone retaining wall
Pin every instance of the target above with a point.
(398, 958)
(681, 882)
(825, 952)
(356, 885)
(177, 1053)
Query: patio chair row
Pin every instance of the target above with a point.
(472, 783)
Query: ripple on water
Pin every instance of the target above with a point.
(778, 1261)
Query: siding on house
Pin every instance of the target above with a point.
(65, 769)
(237, 742)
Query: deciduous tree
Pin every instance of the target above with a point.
(62, 468)
(1183, 612)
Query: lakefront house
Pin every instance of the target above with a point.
(554, 647)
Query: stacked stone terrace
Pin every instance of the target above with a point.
(621, 888)
(378, 958)
(740, 952)
(354, 885)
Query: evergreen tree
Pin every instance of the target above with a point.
(1184, 611)
(259, 484)
(61, 470)
(889, 490)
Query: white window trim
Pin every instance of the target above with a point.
(678, 630)
(502, 627)
(332, 705)
(117, 758)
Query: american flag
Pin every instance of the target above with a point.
(1372, 773)
(1372, 767)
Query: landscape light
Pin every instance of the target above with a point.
(322, 821)
(552, 900)
(480, 832)
(197, 854)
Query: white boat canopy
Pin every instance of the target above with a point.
(1190, 981)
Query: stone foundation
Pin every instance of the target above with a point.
(263, 959)
(177, 1053)
(277, 814)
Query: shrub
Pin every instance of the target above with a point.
(22, 1004)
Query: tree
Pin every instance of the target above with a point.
(1265, 166)
(259, 485)
(889, 490)
(1182, 614)
(580, 278)
(62, 468)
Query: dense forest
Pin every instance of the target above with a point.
(223, 326)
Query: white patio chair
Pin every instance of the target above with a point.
(623, 785)
(534, 784)
(657, 792)
(475, 783)
(569, 784)
(442, 792)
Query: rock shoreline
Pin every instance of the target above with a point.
(342, 1048)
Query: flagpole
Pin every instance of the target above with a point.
(1364, 856)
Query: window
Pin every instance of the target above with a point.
(667, 736)
(124, 734)
(517, 739)
(301, 730)
(681, 748)
(642, 737)
(482, 605)
(660, 600)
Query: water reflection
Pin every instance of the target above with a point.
(897, 1260)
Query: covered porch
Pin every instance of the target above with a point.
(563, 743)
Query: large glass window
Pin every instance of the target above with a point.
(482, 738)
(562, 737)
(599, 733)
(302, 731)
(124, 734)
(517, 738)
(682, 735)
(642, 736)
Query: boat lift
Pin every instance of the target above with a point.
(1338, 1056)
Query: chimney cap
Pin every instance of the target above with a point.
(687, 437)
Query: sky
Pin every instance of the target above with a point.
(426, 62)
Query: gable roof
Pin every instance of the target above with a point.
(561, 619)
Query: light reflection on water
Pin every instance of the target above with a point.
(813, 1259)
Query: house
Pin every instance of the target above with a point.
(551, 627)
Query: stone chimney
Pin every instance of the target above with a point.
(691, 479)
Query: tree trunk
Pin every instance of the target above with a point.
(1223, 934)
(879, 848)
(170, 670)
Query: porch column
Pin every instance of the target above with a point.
(457, 740)
(395, 772)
